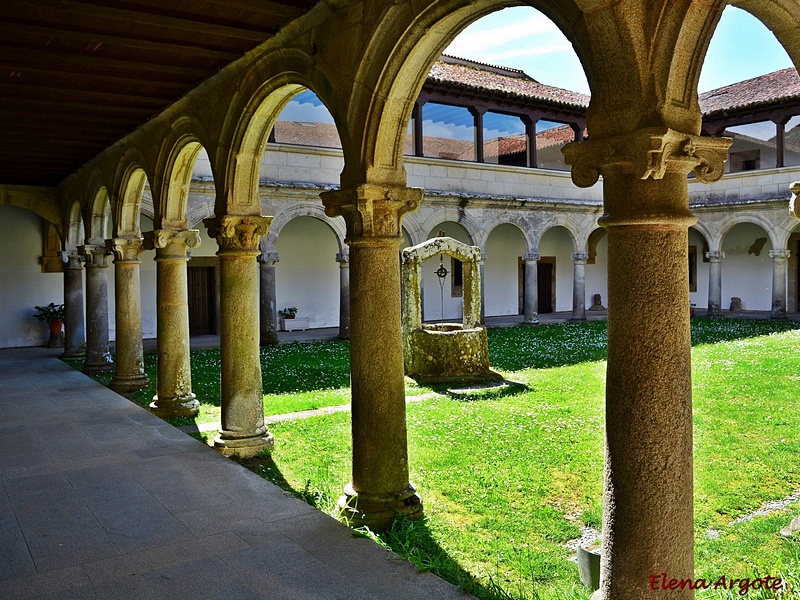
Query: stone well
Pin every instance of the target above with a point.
(444, 352)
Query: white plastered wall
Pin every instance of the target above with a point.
(504, 247)
(745, 274)
(436, 299)
(556, 242)
(597, 274)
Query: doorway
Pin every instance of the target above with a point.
(200, 283)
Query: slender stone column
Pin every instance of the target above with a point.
(129, 375)
(380, 487)
(74, 332)
(174, 397)
(715, 259)
(344, 295)
(481, 269)
(267, 299)
(648, 512)
(531, 292)
(779, 258)
(98, 358)
(579, 286)
(243, 430)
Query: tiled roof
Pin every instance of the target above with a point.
(767, 88)
(497, 80)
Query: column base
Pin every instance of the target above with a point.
(243, 447)
(378, 511)
(77, 352)
(578, 319)
(533, 321)
(125, 384)
(269, 339)
(98, 363)
(181, 406)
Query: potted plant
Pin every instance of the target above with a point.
(288, 313)
(53, 315)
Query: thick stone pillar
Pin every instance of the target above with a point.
(648, 513)
(579, 286)
(531, 292)
(779, 257)
(243, 431)
(715, 283)
(129, 375)
(74, 331)
(98, 358)
(174, 396)
(380, 487)
(267, 299)
(344, 295)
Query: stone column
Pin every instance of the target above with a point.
(779, 258)
(648, 512)
(481, 269)
(715, 283)
(531, 292)
(267, 299)
(243, 431)
(579, 286)
(174, 396)
(74, 332)
(344, 295)
(129, 375)
(98, 358)
(380, 487)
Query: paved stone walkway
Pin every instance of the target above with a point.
(100, 499)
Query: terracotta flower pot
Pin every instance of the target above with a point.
(55, 326)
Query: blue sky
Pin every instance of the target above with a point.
(523, 38)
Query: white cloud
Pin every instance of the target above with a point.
(497, 30)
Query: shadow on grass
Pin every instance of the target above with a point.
(412, 540)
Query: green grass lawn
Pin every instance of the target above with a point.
(508, 478)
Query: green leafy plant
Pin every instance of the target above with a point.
(288, 312)
(51, 312)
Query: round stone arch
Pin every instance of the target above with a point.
(712, 237)
(304, 209)
(130, 188)
(413, 229)
(592, 241)
(446, 215)
(775, 14)
(564, 223)
(270, 83)
(75, 231)
(98, 211)
(732, 221)
(403, 45)
(525, 226)
(172, 178)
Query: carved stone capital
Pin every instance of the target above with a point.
(238, 233)
(532, 256)
(715, 255)
(269, 259)
(780, 253)
(650, 152)
(171, 242)
(125, 249)
(794, 205)
(372, 211)
(580, 257)
(95, 255)
(72, 259)
(342, 257)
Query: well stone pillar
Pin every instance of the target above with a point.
(380, 487)
(129, 374)
(648, 512)
(267, 299)
(344, 295)
(98, 357)
(579, 286)
(531, 293)
(74, 330)
(715, 259)
(243, 431)
(174, 396)
(779, 258)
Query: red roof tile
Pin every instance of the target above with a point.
(767, 88)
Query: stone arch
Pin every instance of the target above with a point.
(780, 17)
(97, 209)
(526, 228)
(461, 218)
(303, 209)
(405, 44)
(565, 223)
(710, 236)
(273, 80)
(131, 186)
(76, 234)
(592, 241)
(753, 218)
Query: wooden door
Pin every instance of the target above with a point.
(545, 270)
(200, 282)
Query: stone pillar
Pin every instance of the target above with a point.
(715, 283)
(267, 299)
(344, 295)
(243, 431)
(129, 375)
(779, 258)
(481, 269)
(579, 286)
(98, 358)
(380, 487)
(531, 292)
(174, 396)
(648, 512)
(74, 332)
